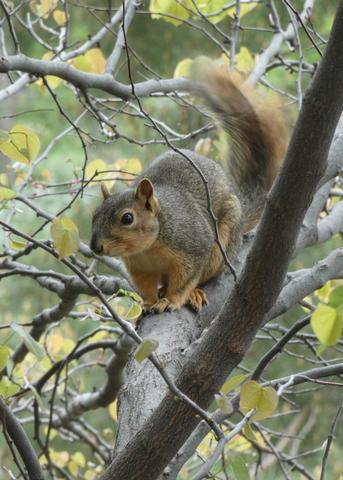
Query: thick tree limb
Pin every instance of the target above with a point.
(20, 440)
(230, 334)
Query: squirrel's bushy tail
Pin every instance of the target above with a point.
(258, 139)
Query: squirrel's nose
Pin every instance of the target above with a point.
(96, 246)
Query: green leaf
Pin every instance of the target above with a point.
(65, 235)
(249, 433)
(126, 307)
(224, 404)
(263, 399)
(134, 312)
(239, 468)
(23, 145)
(4, 356)
(17, 245)
(7, 193)
(30, 343)
(37, 397)
(327, 325)
(336, 297)
(170, 7)
(8, 388)
(145, 349)
(128, 293)
(232, 383)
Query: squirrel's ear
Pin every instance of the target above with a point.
(104, 190)
(145, 195)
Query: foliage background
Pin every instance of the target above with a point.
(162, 46)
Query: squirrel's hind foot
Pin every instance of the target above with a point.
(163, 305)
(197, 299)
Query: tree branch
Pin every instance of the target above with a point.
(84, 80)
(231, 333)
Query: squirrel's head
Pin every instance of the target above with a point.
(126, 223)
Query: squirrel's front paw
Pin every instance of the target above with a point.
(163, 305)
(197, 299)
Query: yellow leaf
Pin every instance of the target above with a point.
(244, 60)
(92, 61)
(59, 17)
(6, 194)
(73, 468)
(59, 458)
(244, 9)
(16, 245)
(43, 460)
(79, 459)
(129, 168)
(8, 388)
(23, 145)
(239, 444)
(164, 8)
(146, 348)
(183, 68)
(42, 8)
(90, 475)
(3, 179)
(65, 235)
(52, 81)
(211, 7)
(232, 383)
(53, 432)
(263, 399)
(327, 325)
(324, 292)
(68, 346)
(55, 343)
(98, 336)
(99, 165)
(205, 447)
(112, 408)
(4, 356)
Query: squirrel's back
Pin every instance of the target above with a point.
(178, 179)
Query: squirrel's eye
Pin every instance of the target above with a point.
(127, 219)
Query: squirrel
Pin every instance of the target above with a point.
(162, 225)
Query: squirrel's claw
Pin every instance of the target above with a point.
(197, 299)
(163, 305)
